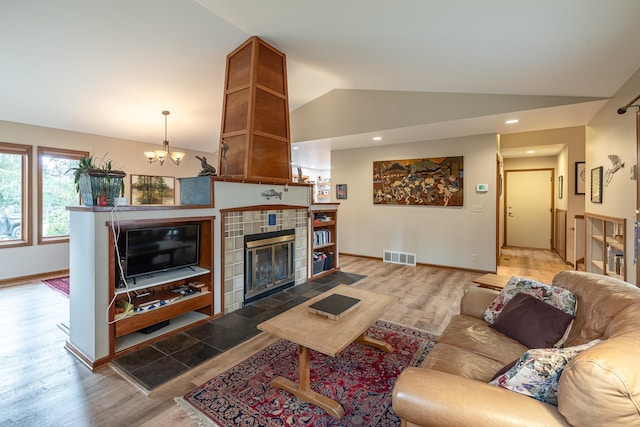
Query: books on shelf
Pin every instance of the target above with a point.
(321, 237)
(615, 261)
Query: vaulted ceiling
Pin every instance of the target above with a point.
(111, 67)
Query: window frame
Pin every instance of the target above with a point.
(58, 153)
(26, 151)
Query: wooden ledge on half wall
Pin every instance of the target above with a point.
(266, 181)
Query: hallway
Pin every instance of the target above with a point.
(538, 264)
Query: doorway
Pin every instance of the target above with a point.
(528, 208)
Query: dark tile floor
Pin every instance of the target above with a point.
(157, 363)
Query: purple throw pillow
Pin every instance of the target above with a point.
(532, 322)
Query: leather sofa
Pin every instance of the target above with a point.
(598, 387)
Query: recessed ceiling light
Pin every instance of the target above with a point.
(531, 151)
(295, 148)
(377, 138)
(512, 121)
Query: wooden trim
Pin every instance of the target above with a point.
(267, 181)
(21, 280)
(143, 223)
(57, 153)
(84, 359)
(637, 185)
(553, 194)
(130, 208)
(561, 233)
(26, 195)
(446, 267)
(261, 208)
(223, 264)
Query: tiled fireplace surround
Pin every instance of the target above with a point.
(240, 223)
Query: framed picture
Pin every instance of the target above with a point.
(560, 186)
(152, 190)
(581, 178)
(433, 181)
(341, 191)
(596, 185)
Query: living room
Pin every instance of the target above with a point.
(447, 237)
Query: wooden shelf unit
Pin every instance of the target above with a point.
(185, 311)
(324, 238)
(605, 242)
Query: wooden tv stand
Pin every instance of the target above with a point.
(97, 333)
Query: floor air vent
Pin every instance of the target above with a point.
(399, 258)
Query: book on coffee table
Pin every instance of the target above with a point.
(334, 306)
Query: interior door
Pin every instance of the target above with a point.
(529, 208)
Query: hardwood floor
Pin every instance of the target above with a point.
(42, 384)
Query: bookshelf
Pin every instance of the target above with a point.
(605, 245)
(324, 238)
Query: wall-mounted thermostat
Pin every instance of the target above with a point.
(482, 188)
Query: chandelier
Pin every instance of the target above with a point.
(164, 154)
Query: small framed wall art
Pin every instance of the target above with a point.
(581, 178)
(560, 186)
(341, 191)
(596, 185)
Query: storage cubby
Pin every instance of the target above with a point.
(605, 245)
(154, 298)
(324, 238)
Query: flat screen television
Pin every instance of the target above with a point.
(156, 249)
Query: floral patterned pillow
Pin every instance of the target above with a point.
(537, 372)
(560, 298)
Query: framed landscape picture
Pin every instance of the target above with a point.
(152, 190)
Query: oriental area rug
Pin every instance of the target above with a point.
(60, 285)
(361, 379)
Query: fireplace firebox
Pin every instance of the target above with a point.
(269, 263)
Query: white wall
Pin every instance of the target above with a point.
(126, 155)
(446, 236)
(611, 133)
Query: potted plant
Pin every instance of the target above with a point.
(98, 185)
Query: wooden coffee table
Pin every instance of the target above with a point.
(316, 332)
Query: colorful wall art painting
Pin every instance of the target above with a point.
(434, 181)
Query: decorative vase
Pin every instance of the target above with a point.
(96, 182)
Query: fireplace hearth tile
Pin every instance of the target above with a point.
(266, 303)
(196, 353)
(230, 338)
(155, 373)
(204, 331)
(175, 343)
(251, 310)
(139, 358)
(155, 364)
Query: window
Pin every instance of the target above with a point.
(56, 190)
(15, 195)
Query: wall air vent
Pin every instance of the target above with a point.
(403, 258)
